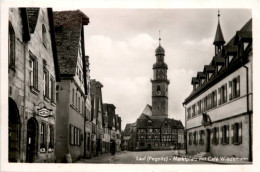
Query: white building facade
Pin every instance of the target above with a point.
(219, 110)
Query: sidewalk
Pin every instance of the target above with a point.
(216, 160)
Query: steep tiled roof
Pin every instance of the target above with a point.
(68, 28)
(157, 122)
(32, 18)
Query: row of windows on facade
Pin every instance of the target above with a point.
(48, 80)
(46, 136)
(210, 101)
(11, 45)
(157, 144)
(165, 138)
(75, 136)
(228, 59)
(150, 130)
(217, 133)
(76, 99)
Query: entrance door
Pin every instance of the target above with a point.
(208, 141)
(13, 131)
(149, 147)
(31, 140)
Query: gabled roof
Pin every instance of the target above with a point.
(201, 75)
(32, 14)
(194, 80)
(208, 69)
(68, 30)
(147, 110)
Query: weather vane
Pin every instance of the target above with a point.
(218, 15)
(159, 37)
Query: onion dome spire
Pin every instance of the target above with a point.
(159, 50)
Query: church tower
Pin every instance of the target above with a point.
(160, 84)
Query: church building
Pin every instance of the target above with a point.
(154, 129)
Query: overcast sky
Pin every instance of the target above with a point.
(121, 44)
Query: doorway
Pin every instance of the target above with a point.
(208, 140)
(31, 148)
(149, 147)
(14, 128)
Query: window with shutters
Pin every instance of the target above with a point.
(189, 112)
(199, 106)
(234, 86)
(45, 83)
(193, 110)
(214, 98)
(237, 133)
(215, 135)
(190, 138)
(222, 94)
(209, 101)
(11, 46)
(205, 103)
(201, 140)
(52, 89)
(51, 138)
(76, 100)
(71, 135)
(195, 137)
(225, 134)
(43, 140)
(33, 74)
(57, 93)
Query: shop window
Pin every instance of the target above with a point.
(43, 138)
(11, 46)
(234, 86)
(237, 133)
(225, 134)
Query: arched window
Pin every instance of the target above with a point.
(11, 46)
(44, 36)
(158, 88)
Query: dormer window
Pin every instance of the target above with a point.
(44, 36)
